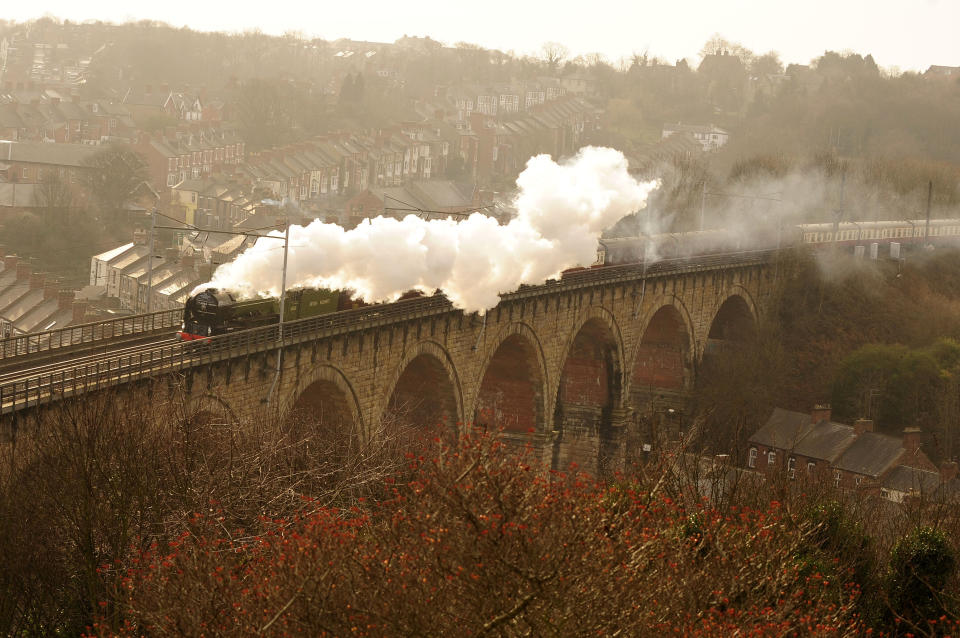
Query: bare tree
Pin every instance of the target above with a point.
(554, 54)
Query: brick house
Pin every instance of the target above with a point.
(814, 447)
(24, 165)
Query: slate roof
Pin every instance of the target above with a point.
(784, 429)
(40, 153)
(444, 194)
(870, 454)
(825, 441)
(904, 479)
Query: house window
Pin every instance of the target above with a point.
(752, 459)
(859, 480)
(836, 478)
(791, 467)
(771, 457)
(811, 466)
(23, 173)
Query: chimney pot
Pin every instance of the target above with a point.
(10, 262)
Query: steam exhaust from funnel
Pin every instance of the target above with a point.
(561, 211)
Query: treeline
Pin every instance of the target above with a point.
(126, 515)
(841, 103)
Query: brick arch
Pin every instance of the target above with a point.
(513, 381)
(655, 362)
(333, 392)
(425, 366)
(206, 406)
(733, 319)
(739, 290)
(589, 391)
(601, 315)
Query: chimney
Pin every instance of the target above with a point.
(64, 300)
(51, 290)
(79, 311)
(23, 271)
(187, 261)
(911, 440)
(820, 412)
(140, 237)
(205, 272)
(862, 425)
(10, 262)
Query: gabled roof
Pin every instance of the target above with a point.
(825, 441)
(905, 479)
(113, 253)
(41, 153)
(784, 429)
(870, 454)
(139, 98)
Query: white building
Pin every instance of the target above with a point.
(710, 137)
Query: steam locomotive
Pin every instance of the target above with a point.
(215, 312)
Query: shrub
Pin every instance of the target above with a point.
(921, 564)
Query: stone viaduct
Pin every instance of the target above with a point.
(570, 366)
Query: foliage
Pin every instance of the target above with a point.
(921, 565)
(97, 481)
(482, 541)
(897, 385)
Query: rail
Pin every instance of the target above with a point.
(95, 372)
(35, 342)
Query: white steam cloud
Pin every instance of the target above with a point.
(561, 211)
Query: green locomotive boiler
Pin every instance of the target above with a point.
(215, 312)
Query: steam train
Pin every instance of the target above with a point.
(215, 312)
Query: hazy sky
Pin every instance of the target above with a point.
(910, 34)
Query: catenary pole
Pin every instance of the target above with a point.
(283, 299)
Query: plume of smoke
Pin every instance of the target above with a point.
(561, 211)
